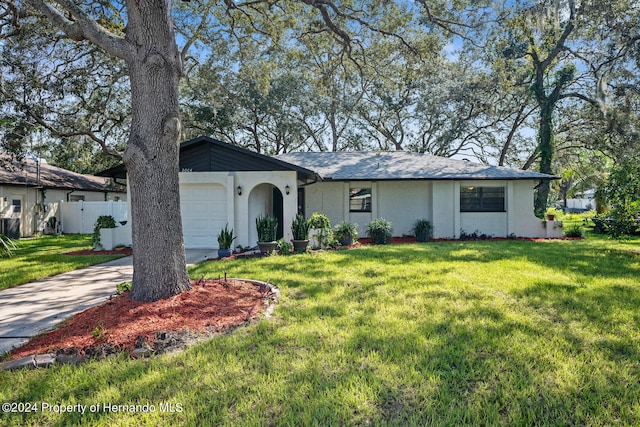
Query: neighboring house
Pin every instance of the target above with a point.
(29, 188)
(223, 184)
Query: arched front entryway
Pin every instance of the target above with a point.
(265, 199)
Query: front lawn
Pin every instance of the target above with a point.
(41, 257)
(451, 333)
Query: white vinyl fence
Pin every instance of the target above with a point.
(80, 217)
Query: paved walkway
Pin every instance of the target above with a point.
(29, 309)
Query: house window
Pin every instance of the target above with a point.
(17, 205)
(360, 200)
(76, 198)
(481, 199)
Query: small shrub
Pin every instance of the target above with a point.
(123, 287)
(300, 228)
(6, 246)
(103, 221)
(476, 235)
(99, 332)
(284, 247)
(574, 231)
(345, 233)
(380, 231)
(321, 224)
(423, 230)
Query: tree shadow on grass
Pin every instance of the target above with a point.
(340, 354)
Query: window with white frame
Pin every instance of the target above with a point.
(481, 199)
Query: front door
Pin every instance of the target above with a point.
(278, 211)
(301, 209)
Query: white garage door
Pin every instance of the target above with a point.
(204, 214)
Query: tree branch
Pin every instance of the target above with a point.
(81, 26)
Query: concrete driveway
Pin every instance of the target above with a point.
(29, 309)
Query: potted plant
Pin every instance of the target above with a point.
(267, 227)
(552, 214)
(346, 233)
(423, 230)
(300, 231)
(380, 231)
(225, 239)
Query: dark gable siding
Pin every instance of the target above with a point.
(211, 157)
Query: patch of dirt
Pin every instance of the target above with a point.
(122, 251)
(122, 325)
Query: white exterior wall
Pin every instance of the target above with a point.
(445, 209)
(240, 210)
(256, 199)
(400, 202)
(403, 202)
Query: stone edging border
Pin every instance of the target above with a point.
(50, 359)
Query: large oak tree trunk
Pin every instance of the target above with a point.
(151, 157)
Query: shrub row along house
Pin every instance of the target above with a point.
(31, 190)
(224, 184)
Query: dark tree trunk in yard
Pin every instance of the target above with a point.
(155, 67)
(151, 157)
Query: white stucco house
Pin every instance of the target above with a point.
(31, 190)
(224, 184)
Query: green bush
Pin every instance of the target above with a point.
(423, 230)
(380, 231)
(123, 287)
(284, 247)
(103, 221)
(574, 231)
(322, 225)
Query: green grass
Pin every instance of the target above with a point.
(41, 257)
(469, 333)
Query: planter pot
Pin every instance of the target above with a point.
(267, 247)
(422, 236)
(379, 240)
(300, 245)
(551, 217)
(223, 253)
(346, 240)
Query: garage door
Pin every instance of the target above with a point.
(204, 214)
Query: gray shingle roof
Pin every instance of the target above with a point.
(398, 165)
(25, 173)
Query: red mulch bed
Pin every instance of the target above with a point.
(411, 239)
(120, 324)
